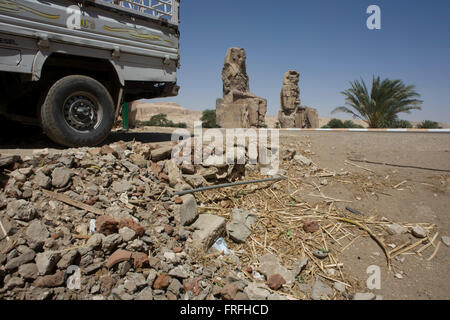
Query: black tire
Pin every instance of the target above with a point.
(62, 120)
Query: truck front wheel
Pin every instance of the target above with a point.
(77, 111)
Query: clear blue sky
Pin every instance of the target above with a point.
(327, 41)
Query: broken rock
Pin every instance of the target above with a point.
(106, 225)
(208, 229)
(321, 291)
(188, 210)
(270, 265)
(117, 257)
(61, 177)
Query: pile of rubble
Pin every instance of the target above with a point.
(106, 223)
(110, 214)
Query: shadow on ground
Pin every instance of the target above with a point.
(15, 135)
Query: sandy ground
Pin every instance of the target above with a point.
(423, 198)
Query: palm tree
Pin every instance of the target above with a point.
(386, 99)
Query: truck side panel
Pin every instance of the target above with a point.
(139, 49)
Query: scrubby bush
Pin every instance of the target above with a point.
(339, 124)
(160, 120)
(428, 124)
(209, 119)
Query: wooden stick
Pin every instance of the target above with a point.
(435, 252)
(409, 248)
(398, 185)
(429, 244)
(400, 247)
(350, 163)
(74, 203)
(4, 231)
(386, 252)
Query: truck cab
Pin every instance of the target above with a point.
(70, 65)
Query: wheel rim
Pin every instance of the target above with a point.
(82, 112)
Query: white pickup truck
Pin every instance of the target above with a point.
(69, 65)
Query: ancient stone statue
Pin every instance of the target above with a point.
(292, 114)
(238, 108)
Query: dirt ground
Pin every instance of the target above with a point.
(403, 195)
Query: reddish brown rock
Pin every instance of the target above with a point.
(163, 177)
(178, 200)
(229, 291)
(106, 225)
(117, 257)
(311, 226)
(107, 284)
(50, 281)
(108, 150)
(140, 260)
(275, 281)
(192, 285)
(168, 229)
(156, 168)
(161, 282)
(132, 225)
(177, 249)
(57, 235)
(91, 201)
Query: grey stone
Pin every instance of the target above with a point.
(67, 259)
(42, 181)
(146, 294)
(95, 241)
(120, 294)
(396, 229)
(255, 292)
(121, 186)
(130, 166)
(21, 210)
(419, 232)
(270, 265)
(16, 262)
(339, 287)
(14, 282)
(238, 231)
(179, 272)
(245, 217)
(174, 173)
(130, 286)
(29, 271)
(93, 267)
(138, 279)
(151, 277)
(305, 288)
(321, 291)
(37, 233)
(301, 160)
(127, 234)
(47, 261)
(61, 177)
(195, 181)
(299, 268)
(446, 240)
(208, 229)
(276, 297)
(111, 242)
(123, 268)
(188, 210)
(175, 287)
(161, 153)
(364, 296)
